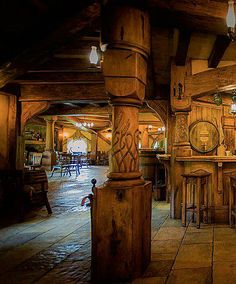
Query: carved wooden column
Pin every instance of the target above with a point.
(181, 106)
(49, 155)
(182, 144)
(121, 233)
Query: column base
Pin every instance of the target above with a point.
(49, 160)
(121, 232)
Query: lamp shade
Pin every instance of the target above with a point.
(230, 18)
(93, 57)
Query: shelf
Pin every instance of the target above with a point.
(34, 142)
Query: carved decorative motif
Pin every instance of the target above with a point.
(181, 131)
(125, 143)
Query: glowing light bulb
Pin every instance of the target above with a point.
(230, 18)
(93, 57)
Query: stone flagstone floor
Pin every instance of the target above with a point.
(56, 249)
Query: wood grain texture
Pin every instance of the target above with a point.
(211, 81)
(64, 92)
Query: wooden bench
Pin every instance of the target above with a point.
(34, 178)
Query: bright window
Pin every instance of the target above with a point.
(79, 145)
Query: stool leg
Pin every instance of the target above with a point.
(230, 206)
(198, 201)
(184, 202)
(205, 202)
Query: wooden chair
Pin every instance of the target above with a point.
(198, 183)
(38, 181)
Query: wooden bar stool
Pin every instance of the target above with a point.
(232, 200)
(198, 182)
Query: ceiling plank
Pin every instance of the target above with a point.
(221, 44)
(182, 49)
(43, 50)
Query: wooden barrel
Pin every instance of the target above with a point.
(151, 168)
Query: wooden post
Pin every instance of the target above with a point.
(181, 106)
(94, 141)
(121, 232)
(9, 128)
(60, 139)
(145, 138)
(49, 155)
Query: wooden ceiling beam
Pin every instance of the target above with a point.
(197, 17)
(217, 9)
(210, 81)
(87, 92)
(54, 76)
(221, 44)
(79, 111)
(182, 49)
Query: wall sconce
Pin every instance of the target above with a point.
(233, 106)
(217, 99)
(180, 91)
(93, 57)
(230, 20)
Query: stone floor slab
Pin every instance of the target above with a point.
(224, 272)
(159, 268)
(194, 256)
(198, 238)
(224, 251)
(190, 276)
(170, 233)
(169, 246)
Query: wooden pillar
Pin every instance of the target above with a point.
(181, 106)
(60, 139)
(145, 138)
(49, 155)
(94, 142)
(121, 232)
(9, 128)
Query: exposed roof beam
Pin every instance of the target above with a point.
(92, 91)
(221, 44)
(54, 76)
(211, 8)
(210, 81)
(182, 49)
(196, 16)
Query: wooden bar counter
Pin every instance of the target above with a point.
(220, 168)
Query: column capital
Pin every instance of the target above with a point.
(50, 118)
